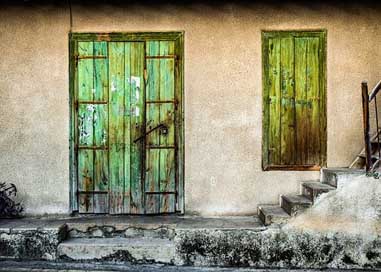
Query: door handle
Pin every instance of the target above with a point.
(149, 131)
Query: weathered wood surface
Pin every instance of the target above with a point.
(137, 126)
(100, 123)
(294, 100)
(116, 124)
(120, 169)
(85, 128)
(160, 149)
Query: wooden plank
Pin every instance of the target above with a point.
(179, 94)
(137, 126)
(101, 181)
(274, 101)
(101, 203)
(287, 102)
(100, 72)
(85, 71)
(153, 93)
(85, 180)
(101, 173)
(127, 36)
(167, 92)
(152, 177)
(85, 128)
(167, 180)
(313, 97)
(167, 138)
(302, 105)
(127, 129)
(323, 97)
(73, 138)
(100, 124)
(85, 125)
(116, 123)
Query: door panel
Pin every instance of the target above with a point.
(160, 146)
(126, 127)
(287, 113)
(116, 124)
(273, 82)
(137, 95)
(92, 127)
(294, 100)
(313, 98)
(302, 107)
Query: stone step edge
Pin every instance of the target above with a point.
(272, 213)
(130, 250)
(293, 207)
(313, 189)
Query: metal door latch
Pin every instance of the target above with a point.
(163, 128)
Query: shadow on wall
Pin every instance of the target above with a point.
(9, 208)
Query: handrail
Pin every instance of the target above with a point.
(366, 100)
(366, 123)
(375, 91)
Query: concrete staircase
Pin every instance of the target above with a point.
(294, 204)
(149, 243)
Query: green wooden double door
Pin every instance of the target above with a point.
(127, 104)
(294, 100)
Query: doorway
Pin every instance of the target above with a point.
(127, 139)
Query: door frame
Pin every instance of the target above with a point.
(322, 34)
(178, 37)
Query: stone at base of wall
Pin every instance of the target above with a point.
(277, 248)
(231, 247)
(31, 243)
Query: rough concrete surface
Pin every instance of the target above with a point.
(28, 242)
(277, 248)
(354, 208)
(75, 267)
(223, 94)
(237, 245)
(132, 250)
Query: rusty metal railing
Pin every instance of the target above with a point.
(371, 160)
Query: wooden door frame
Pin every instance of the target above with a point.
(178, 38)
(322, 34)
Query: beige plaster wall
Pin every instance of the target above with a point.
(223, 95)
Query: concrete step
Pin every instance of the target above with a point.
(337, 177)
(312, 189)
(125, 250)
(272, 214)
(295, 204)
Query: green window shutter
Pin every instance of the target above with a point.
(294, 100)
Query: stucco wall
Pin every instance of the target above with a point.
(223, 94)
